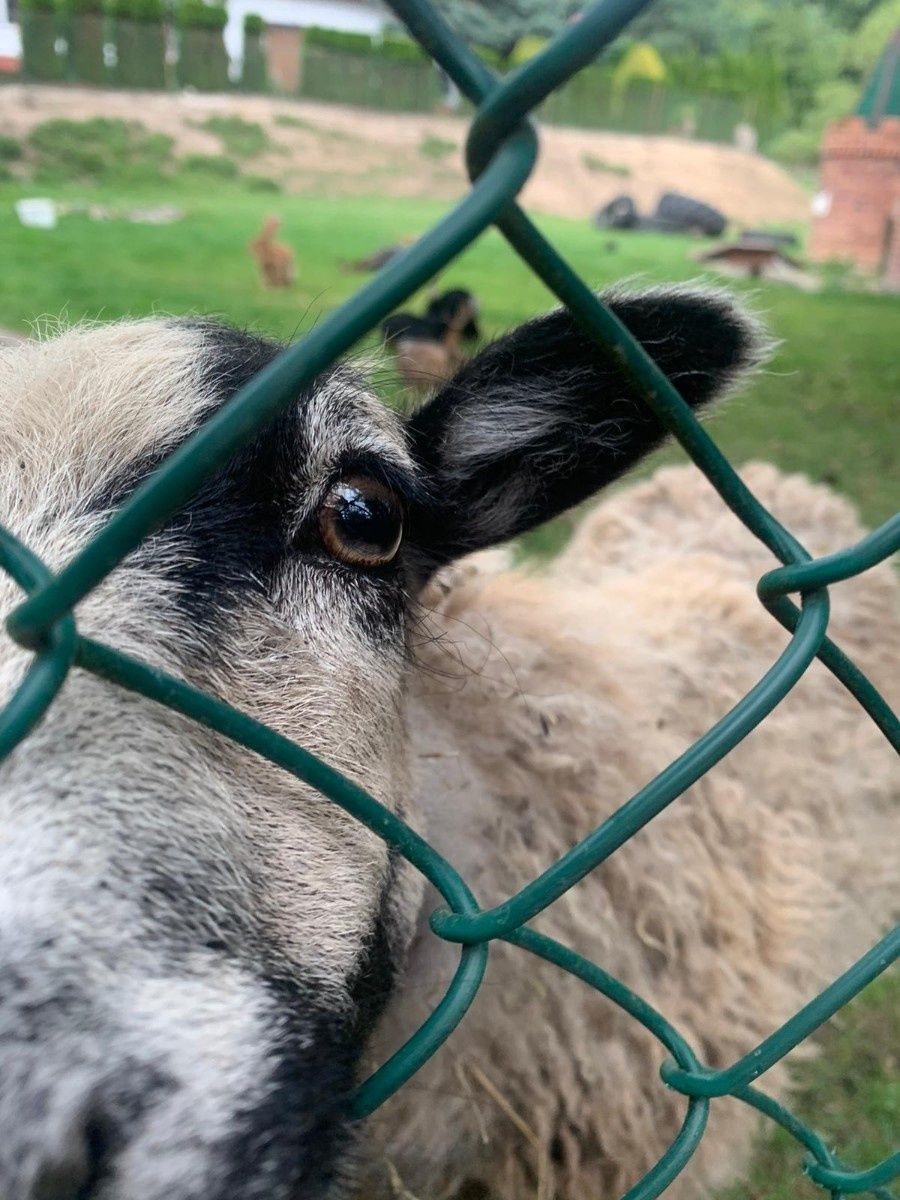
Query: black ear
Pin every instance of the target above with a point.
(542, 418)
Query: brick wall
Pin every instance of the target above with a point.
(892, 262)
(860, 176)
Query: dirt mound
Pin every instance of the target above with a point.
(317, 147)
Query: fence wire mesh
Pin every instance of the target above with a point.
(501, 152)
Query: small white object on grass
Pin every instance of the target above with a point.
(37, 213)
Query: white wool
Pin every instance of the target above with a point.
(547, 701)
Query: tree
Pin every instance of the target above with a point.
(870, 40)
(849, 13)
(699, 26)
(808, 48)
(499, 24)
(804, 41)
(640, 61)
(802, 144)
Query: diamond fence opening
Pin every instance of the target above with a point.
(501, 152)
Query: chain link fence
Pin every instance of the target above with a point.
(591, 100)
(501, 152)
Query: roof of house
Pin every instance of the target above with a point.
(881, 95)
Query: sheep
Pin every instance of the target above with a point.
(728, 912)
(200, 956)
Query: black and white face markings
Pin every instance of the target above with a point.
(209, 942)
(327, 485)
(194, 946)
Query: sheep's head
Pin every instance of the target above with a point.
(193, 945)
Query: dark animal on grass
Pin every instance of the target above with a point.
(200, 956)
(379, 258)
(429, 349)
(456, 310)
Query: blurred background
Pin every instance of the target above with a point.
(258, 160)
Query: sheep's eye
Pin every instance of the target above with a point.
(361, 522)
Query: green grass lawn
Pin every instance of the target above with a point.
(850, 1093)
(827, 406)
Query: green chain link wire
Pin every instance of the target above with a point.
(501, 152)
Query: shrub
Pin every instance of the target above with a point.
(218, 166)
(361, 43)
(86, 64)
(351, 69)
(142, 11)
(801, 146)
(338, 39)
(40, 29)
(400, 49)
(239, 137)
(140, 39)
(525, 49)
(84, 30)
(261, 183)
(136, 10)
(195, 14)
(101, 148)
(492, 57)
(202, 60)
(436, 147)
(254, 74)
(10, 148)
(873, 34)
(593, 163)
(292, 122)
(140, 54)
(751, 76)
(641, 61)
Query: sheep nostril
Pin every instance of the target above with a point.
(74, 1165)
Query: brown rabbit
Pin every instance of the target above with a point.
(275, 259)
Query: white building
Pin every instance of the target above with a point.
(354, 16)
(285, 19)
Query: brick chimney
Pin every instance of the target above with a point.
(856, 210)
(859, 191)
(892, 258)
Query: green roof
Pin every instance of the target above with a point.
(881, 97)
